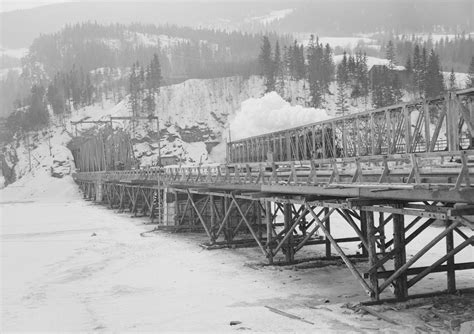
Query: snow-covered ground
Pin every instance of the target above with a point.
(436, 37)
(72, 265)
(348, 42)
(14, 53)
(371, 61)
(274, 15)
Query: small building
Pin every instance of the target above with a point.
(167, 160)
(400, 71)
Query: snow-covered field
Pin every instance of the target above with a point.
(72, 265)
(348, 43)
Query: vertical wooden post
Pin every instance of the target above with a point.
(227, 223)
(382, 232)
(471, 113)
(268, 219)
(363, 229)
(451, 276)
(401, 286)
(328, 228)
(176, 208)
(288, 222)
(258, 218)
(374, 282)
(212, 213)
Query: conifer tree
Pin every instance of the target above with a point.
(417, 70)
(37, 115)
(390, 55)
(315, 72)
(470, 76)
(434, 83)
(452, 80)
(341, 77)
(300, 63)
(279, 70)
(267, 68)
(328, 67)
(342, 70)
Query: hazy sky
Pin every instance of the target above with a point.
(10, 5)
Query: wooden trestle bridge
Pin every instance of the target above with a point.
(399, 169)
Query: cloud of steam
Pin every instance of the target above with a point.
(263, 115)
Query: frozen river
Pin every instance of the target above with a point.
(68, 264)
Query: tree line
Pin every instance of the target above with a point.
(421, 74)
(144, 84)
(315, 64)
(454, 51)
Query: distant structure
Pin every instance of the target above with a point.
(167, 160)
(400, 71)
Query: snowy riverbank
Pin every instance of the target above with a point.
(68, 264)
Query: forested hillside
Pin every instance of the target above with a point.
(90, 62)
(324, 17)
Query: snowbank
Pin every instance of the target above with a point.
(40, 186)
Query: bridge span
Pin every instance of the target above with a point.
(389, 174)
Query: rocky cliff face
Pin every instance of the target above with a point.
(192, 116)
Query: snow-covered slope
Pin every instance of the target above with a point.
(193, 116)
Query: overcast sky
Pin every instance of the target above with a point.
(10, 5)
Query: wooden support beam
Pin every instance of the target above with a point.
(401, 287)
(351, 222)
(341, 253)
(381, 230)
(201, 219)
(417, 270)
(184, 212)
(363, 229)
(415, 233)
(315, 229)
(371, 240)
(289, 228)
(228, 208)
(401, 266)
(447, 268)
(249, 226)
(234, 232)
(289, 251)
(269, 221)
(451, 276)
(212, 212)
(327, 214)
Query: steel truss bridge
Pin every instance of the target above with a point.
(399, 169)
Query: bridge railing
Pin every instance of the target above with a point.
(442, 124)
(448, 170)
